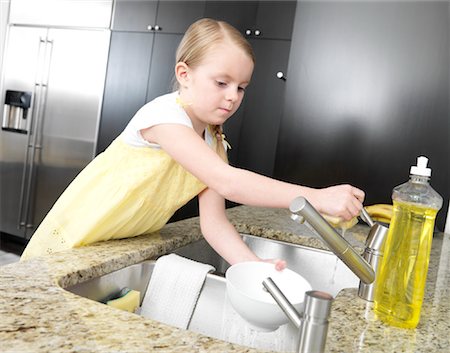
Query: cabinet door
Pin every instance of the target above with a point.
(263, 107)
(126, 83)
(240, 14)
(275, 19)
(177, 16)
(134, 15)
(162, 72)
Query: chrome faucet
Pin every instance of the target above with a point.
(312, 324)
(373, 253)
(366, 266)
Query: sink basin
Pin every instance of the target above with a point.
(213, 315)
(323, 270)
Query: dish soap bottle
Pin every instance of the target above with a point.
(401, 282)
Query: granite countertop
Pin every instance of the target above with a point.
(38, 315)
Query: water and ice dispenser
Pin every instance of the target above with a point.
(15, 111)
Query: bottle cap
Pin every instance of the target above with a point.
(421, 167)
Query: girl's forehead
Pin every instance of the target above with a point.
(226, 48)
(226, 53)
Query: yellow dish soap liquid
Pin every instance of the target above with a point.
(403, 272)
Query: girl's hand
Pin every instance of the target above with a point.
(344, 201)
(279, 264)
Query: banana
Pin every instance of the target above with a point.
(380, 212)
(382, 219)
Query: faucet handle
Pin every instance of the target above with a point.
(366, 217)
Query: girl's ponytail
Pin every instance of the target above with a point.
(219, 141)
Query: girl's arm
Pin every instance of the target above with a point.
(185, 146)
(221, 234)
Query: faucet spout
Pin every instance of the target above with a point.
(301, 209)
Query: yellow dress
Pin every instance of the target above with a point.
(124, 192)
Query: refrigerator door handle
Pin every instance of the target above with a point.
(34, 138)
(48, 61)
(34, 116)
(44, 84)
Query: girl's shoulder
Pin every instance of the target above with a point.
(162, 110)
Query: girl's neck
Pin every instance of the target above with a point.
(197, 124)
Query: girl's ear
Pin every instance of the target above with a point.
(182, 73)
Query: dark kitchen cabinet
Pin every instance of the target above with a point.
(274, 19)
(265, 19)
(177, 16)
(141, 61)
(240, 14)
(140, 68)
(253, 130)
(162, 72)
(134, 15)
(263, 108)
(158, 16)
(126, 83)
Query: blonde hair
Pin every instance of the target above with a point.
(199, 38)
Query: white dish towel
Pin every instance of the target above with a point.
(173, 290)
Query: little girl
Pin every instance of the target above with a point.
(172, 150)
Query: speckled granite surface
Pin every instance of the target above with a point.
(38, 315)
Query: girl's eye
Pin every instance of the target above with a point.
(241, 89)
(220, 83)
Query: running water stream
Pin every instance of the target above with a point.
(236, 330)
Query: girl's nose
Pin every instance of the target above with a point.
(232, 95)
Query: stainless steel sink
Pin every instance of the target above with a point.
(213, 316)
(321, 268)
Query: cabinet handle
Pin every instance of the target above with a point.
(256, 32)
(281, 76)
(154, 28)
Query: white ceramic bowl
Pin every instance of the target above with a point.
(253, 303)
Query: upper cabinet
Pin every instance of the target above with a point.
(240, 14)
(156, 16)
(265, 19)
(275, 19)
(256, 19)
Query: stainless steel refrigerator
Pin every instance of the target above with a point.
(52, 87)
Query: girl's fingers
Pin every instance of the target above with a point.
(279, 264)
(359, 194)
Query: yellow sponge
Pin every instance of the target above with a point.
(338, 222)
(129, 302)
